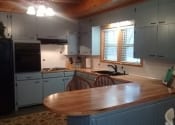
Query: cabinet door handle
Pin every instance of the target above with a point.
(152, 23)
(152, 55)
(28, 77)
(160, 56)
(37, 82)
(160, 22)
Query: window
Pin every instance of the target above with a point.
(117, 43)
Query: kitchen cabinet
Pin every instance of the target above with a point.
(6, 20)
(55, 27)
(89, 77)
(146, 13)
(85, 36)
(72, 43)
(145, 41)
(47, 27)
(155, 42)
(52, 85)
(96, 40)
(166, 11)
(68, 75)
(28, 89)
(23, 26)
(153, 39)
(53, 82)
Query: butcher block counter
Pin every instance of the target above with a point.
(96, 106)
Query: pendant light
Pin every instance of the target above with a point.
(40, 10)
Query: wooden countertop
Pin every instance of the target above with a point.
(95, 100)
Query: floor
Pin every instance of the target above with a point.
(25, 110)
(33, 115)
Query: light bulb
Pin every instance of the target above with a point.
(50, 12)
(31, 10)
(41, 11)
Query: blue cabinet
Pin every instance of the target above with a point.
(153, 36)
(150, 113)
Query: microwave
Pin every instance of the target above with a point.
(27, 57)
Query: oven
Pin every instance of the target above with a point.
(27, 57)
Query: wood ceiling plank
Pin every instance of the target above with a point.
(72, 8)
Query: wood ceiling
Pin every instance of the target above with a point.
(72, 8)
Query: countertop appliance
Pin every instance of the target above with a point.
(7, 104)
(27, 57)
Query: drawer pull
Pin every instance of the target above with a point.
(28, 77)
(152, 23)
(37, 82)
(152, 55)
(160, 56)
(160, 22)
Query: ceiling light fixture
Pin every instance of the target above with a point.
(40, 10)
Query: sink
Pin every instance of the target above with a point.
(109, 72)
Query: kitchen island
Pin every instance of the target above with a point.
(124, 104)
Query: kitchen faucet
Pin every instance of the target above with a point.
(114, 67)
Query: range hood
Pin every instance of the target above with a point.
(53, 41)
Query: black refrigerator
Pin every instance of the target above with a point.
(7, 96)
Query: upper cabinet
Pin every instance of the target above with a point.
(85, 36)
(48, 27)
(166, 11)
(146, 13)
(23, 26)
(55, 27)
(154, 36)
(5, 18)
(96, 40)
(72, 39)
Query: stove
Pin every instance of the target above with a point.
(53, 69)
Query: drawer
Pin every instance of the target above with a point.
(53, 75)
(69, 73)
(28, 76)
(81, 74)
(92, 77)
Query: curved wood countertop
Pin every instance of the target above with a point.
(100, 99)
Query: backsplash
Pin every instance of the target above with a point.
(151, 68)
(52, 55)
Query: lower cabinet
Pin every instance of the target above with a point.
(52, 85)
(29, 92)
(31, 88)
(66, 81)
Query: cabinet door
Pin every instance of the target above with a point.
(167, 43)
(145, 41)
(85, 43)
(6, 20)
(166, 11)
(29, 92)
(96, 40)
(54, 27)
(66, 81)
(146, 13)
(72, 43)
(53, 85)
(163, 44)
(23, 26)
